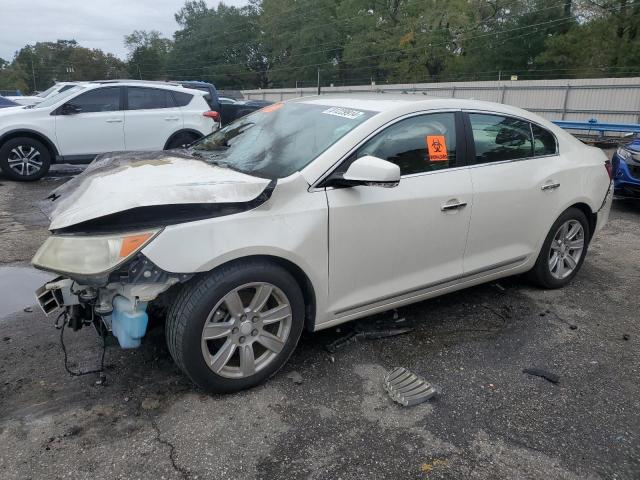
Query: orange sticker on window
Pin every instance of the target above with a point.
(437, 148)
(273, 107)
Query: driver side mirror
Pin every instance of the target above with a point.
(69, 109)
(371, 171)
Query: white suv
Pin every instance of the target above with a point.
(92, 118)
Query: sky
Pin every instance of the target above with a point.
(92, 23)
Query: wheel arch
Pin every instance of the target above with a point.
(592, 217)
(181, 131)
(303, 280)
(24, 132)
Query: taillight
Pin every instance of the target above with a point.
(609, 168)
(215, 116)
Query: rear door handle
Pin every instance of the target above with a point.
(114, 120)
(453, 205)
(169, 119)
(550, 186)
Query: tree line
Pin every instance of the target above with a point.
(286, 43)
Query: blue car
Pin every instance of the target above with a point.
(626, 170)
(5, 102)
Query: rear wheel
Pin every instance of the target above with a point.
(24, 159)
(182, 140)
(563, 251)
(236, 326)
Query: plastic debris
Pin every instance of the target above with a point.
(407, 388)
(372, 330)
(538, 372)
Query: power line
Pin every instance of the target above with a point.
(349, 19)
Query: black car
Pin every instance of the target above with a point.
(228, 111)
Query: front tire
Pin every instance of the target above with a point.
(563, 251)
(235, 327)
(24, 159)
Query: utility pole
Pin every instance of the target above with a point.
(318, 80)
(139, 72)
(33, 74)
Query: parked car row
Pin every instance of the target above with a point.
(274, 224)
(86, 119)
(72, 122)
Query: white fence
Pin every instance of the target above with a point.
(615, 100)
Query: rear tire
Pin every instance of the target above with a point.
(24, 159)
(182, 140)
(563, 251)
(235, 327)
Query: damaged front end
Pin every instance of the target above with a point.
(115, 300)
(102, 220)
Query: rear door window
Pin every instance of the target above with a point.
(140, 98)
(498, 138)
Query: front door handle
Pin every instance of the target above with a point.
(453, 205)
(550, 186)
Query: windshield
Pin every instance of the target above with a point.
(47, 92)
(53, 99)
(279, 139)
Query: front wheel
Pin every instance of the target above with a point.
(563, 251)
(24, 159)
(233, 328)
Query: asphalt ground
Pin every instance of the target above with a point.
(326, 416)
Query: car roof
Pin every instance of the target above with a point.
(148, 83)
(384, 102)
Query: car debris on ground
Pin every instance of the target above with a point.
(407, 388)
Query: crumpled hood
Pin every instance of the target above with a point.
(119, 182)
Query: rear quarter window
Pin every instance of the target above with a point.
(182, 99)
(544, 142)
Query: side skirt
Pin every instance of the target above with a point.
(469, 279)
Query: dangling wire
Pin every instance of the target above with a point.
(61, 327)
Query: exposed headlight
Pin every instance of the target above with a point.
(89, 255)
(624, 153)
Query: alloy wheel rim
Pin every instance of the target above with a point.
(246, 330)
(25, 160)
(566, 249)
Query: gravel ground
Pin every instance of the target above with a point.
(326, 416)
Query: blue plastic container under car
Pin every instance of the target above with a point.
(626, 170)
(129, 322)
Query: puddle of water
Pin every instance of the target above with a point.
(17, 287)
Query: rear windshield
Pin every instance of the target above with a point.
(280, 139)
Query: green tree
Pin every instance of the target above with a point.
(222, 45)
(148, 54)
(44, 63)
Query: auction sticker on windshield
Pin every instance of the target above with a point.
(344, 112)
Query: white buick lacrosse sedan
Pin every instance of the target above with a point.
(314, 212)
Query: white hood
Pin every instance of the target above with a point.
(118, 182)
